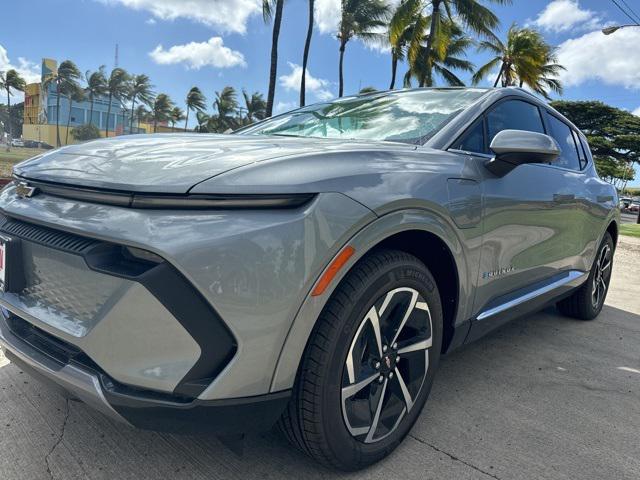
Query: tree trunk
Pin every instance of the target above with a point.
(394, 69)
(91, 112)
(133, 105)
(155, 125)
(9, 117)
(66, 137)
(273, 72)
(343, 45)
(186, 120)
(305, 55)
(58, 143)
(106, 130)
(435, 15)
(495, 84)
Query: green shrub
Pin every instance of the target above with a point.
(85, 132)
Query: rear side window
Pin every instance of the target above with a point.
(514, 115)
(582, 156)
(473, 139)
(585, 147)
(568, 150)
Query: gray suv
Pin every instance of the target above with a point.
(309, 270)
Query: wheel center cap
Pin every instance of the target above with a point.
(387, 363)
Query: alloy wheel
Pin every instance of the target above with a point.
(386, 364)
(601, 276)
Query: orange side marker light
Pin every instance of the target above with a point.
(332, 271)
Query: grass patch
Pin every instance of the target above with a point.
(15, 155)
(630, 229)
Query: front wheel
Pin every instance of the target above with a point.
(587, 301)
(369, 365)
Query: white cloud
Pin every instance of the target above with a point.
(223, 15)
(196, 55)
(563, 15)
(610, 59)
(636, 112)
(282, 107)
(28, 70)
(319, 87)
(150, 21)
(327, 15)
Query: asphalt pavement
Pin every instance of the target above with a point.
(629, 217)
(543, 397)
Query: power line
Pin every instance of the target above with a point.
(635, 21)
(637, 17)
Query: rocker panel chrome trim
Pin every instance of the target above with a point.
(570, 277)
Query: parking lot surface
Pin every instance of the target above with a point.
(543, 397)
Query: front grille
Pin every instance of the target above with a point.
(49, 237)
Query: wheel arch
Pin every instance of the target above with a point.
(417, 232)
(422, 244)
(612, 228)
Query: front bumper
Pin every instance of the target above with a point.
(252, 268)
(96, 389)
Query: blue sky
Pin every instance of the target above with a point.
(213, 43)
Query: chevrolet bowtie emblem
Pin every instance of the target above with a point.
(24, 190)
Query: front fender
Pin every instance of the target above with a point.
(362, 242)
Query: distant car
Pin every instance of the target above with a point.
(17, 142)
(634, 207)
(625, 202)
(310, 268)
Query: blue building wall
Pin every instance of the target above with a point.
(80, 112)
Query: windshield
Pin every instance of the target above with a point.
(411, 116)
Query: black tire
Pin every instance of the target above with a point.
(581, 303)
(315, 420)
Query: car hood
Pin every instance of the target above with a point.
(166, 163)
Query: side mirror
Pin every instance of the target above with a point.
(517, 147)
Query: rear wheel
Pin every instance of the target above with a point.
(587, 301)
(369, 365)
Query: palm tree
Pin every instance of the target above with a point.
(226, 104)
(161, 110)
(195, 101)
(74, 93)
(176, 115)
(367, 90)
(423, 68)
(406, 26)
(256, 106)
(471, 13)
(96, 87)
(140, 88)
(525, 59)
(362, 19)
(117, 87)
(141, 114)
(64, 79)
(9, 80)
(305, 55)
(268, 7)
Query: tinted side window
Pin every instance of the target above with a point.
(564, 136)
(514, 115)
(582, 156)
(473, 139)
(585, 147)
